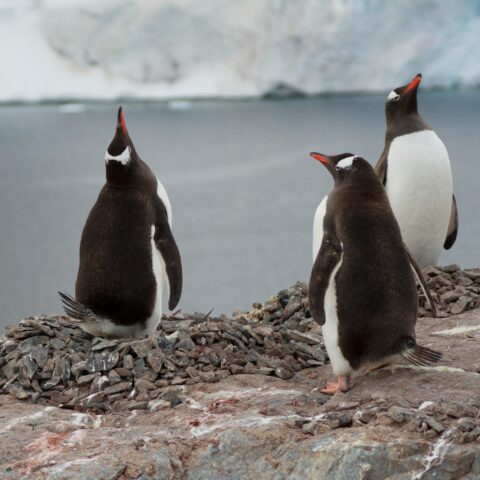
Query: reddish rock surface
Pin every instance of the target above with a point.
(396, 423)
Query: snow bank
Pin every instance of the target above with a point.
(57, 49)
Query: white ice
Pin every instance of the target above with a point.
(85, 49)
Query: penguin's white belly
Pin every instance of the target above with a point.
(158, 267)
(163, 196)
(318, 226)
(420, 187)
(340, 364)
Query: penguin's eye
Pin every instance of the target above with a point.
(393, 96)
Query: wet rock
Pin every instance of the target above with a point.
(142, 347)
(92, 400)
(365, 416)
(156, 359)
(119, 387)
(347, 405)
(28, 367)
(339, 419)
(236, 369)
(128, 362)
(40, 355)
(87, 379)
(400, 414)
(284, 373)
(460, 305)
(467, 424)
(425, 422)
(102, 362)
(321, 399)
(139, 405)
(450, 268)
(99, 383)
(26, 345)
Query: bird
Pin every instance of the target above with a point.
(128, 253)
(362, 285)
(415, 169)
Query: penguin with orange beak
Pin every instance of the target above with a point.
(362, 286)
(128, 254)
(415, 170)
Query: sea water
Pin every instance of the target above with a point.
(242, 186)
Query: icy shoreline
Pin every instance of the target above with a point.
(186, 49)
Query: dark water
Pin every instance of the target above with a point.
(241, 183)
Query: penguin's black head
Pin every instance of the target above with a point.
(403, 100)
(344, 167)
(121, 154)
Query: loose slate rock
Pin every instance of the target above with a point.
(456, 290)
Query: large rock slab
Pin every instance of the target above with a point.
(396, 423)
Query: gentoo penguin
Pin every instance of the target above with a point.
(127, 250)
(362, 287)
(415, 169)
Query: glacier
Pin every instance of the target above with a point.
(163, 49)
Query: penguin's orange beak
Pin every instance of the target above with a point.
(321, 158)
(121, 121)
(414, 83)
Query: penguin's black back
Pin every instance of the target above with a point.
(115, 276)
(375, 285)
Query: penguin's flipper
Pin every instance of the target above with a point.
(167, 247)
(452, 226)
(421, 281)
(76, 310)
(420, 356)
(327, 259)
(381, 167)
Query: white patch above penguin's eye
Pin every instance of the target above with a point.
(123, 158)
(393, 96)
(345, 162)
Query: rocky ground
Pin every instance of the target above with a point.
(239, 399)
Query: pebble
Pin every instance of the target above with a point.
(400, 414)
(457, 290)
(48, 359)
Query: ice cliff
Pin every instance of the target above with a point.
(56, 49)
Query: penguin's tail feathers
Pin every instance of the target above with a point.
(419, 356)
(75, 309)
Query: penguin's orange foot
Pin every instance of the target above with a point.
(331, 388)
(343, 385)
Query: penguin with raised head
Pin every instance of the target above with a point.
(127, 251)
(415, 170)
(362, 286)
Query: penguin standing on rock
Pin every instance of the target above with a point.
(362, 286)
(127, 250)
(415, 169)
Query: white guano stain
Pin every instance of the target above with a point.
(254, 420)
(60, 469)
(27, 418)
(85, 420)
(440, 368)
(434, 455)
(425, 405)
(458, 330)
